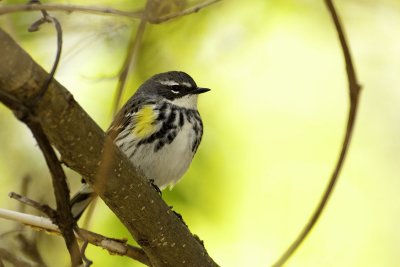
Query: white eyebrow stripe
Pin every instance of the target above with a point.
(168, 82)
(172, 83)
(186, 84)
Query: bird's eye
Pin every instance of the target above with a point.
(175, 89)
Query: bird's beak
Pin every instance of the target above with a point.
(199, 90)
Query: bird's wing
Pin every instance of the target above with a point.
(137, 117)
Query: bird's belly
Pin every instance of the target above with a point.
(168, 164)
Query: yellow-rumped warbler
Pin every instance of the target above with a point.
(159, 129)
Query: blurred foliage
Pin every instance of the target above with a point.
(274, 122)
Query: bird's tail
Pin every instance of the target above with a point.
(81, 200)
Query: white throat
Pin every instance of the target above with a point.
(187, 101)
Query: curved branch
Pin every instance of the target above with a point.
(35, 27)
(354, 91)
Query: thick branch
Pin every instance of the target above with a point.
(80, 141)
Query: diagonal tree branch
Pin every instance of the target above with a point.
(162, 235)
(354, 92)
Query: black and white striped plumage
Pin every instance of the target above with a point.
(159, 129)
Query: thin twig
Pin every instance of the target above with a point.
(86, 260)
(47, 18)
(115, 246)
(137, 14)
(71, 8)
(28, 219)
(133, 48)
(28, 245)
(57, 25)
(45, 209)
(354, 91)
(112, 245)
(24, 190)
(188, 11)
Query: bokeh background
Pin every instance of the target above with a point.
(274, 123)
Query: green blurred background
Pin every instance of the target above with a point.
(274, 123)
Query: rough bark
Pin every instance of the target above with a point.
(81, 143)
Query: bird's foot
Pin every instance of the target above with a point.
(155, 187)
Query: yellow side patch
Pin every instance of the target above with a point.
(144, 119)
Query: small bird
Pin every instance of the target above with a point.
(159, 129)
